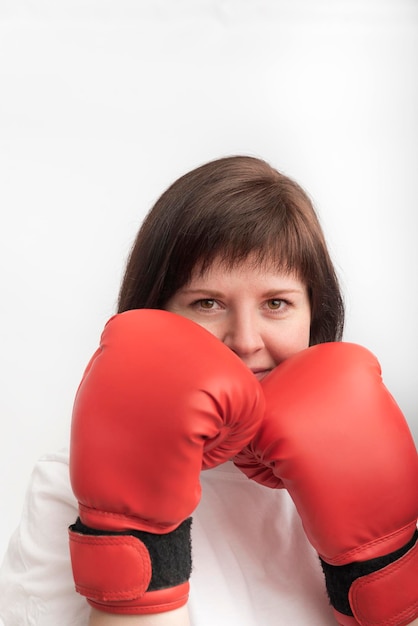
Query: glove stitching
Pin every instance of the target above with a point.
(124, 517)
(346, 557)
(126, 541)
(387, 572)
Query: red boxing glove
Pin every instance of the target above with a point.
(336, 440)
(160, 399)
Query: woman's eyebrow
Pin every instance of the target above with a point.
(282, 291)
(201, 290)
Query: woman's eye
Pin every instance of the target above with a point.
(206, 304)
(274, 304)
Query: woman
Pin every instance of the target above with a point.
(235, 247)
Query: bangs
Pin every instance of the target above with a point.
(277, 237)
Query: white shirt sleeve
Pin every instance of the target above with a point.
(36, 584)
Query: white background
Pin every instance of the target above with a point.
(104, 103)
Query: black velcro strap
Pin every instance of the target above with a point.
(170, 553)
(339, 578)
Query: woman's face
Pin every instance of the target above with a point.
(261, 314)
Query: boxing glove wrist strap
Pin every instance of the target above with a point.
(131, 571)
(354, 587)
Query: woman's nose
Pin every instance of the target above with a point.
(242, 335)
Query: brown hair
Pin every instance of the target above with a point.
(227, 209)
